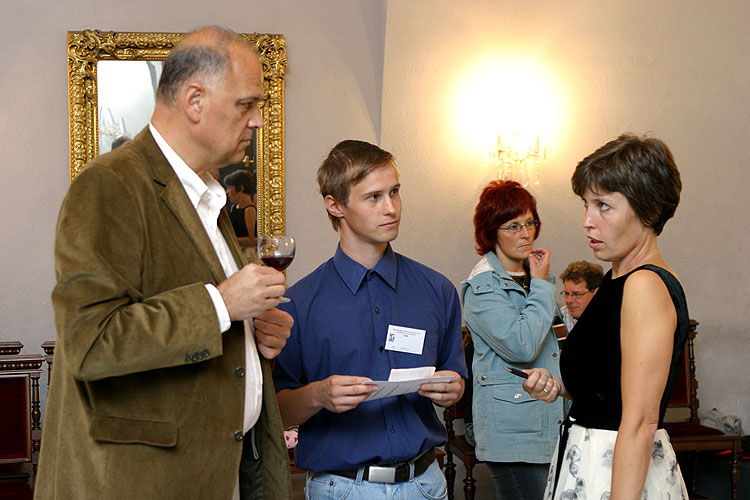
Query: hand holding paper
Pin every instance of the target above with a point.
(407, 380)
(443, 393)
(340, 393)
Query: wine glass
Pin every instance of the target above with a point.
(276, 252)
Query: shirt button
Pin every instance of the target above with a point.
(239, 371)
(516, 396)
(377, 310)
(554, 354)
(559, 422)
(238, 436)
(482, 378)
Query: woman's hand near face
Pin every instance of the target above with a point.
(539, 263)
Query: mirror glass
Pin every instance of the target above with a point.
(112, 80)
(126, 91)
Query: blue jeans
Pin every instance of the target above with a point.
(518, 480)
(430, 485)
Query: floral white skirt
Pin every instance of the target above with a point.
(586, 470)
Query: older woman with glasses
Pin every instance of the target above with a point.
(621, 360)
(509, 305)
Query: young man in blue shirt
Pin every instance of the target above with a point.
(362, 313)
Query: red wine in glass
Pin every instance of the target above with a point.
(276, 252)
(278, 263)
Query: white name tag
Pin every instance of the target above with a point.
(405, 339)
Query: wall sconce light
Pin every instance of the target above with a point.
(518, 159)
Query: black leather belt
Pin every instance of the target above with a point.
(397, 473)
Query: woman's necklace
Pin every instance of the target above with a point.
(521, 278)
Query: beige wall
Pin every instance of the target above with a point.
(394, 72)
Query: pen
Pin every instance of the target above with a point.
(517, 372)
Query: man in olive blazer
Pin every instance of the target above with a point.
(147, 398)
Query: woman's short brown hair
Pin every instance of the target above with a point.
(500, 202)
(347, 164)
(642, 169)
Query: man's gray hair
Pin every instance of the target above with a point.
(206, 57)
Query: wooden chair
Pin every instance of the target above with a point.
(20, 420)
(49, 350)
(690, 435)
(457, 444)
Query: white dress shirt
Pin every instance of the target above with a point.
(208, 198)
(568, 318)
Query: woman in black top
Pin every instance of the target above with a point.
(620, 361)
(242, 211)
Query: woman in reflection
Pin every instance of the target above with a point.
(620, 361)
(509, 305)
(242, 212)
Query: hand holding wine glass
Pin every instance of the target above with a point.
(276, 252)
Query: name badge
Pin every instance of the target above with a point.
(405, 339)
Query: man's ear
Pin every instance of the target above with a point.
(333, 206)
(192, 100)
(593, 292)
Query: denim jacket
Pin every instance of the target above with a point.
(510, 328)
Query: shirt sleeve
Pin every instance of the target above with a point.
(221, 308)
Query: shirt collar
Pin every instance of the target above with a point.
(196, 186)
(353, 273)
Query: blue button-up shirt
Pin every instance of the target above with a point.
(341, 316)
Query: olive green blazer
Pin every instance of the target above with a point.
(147, 395)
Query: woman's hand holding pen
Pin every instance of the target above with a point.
(542, 385)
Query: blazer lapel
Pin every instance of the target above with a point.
(176, 199)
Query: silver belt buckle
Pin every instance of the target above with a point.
(378, 474)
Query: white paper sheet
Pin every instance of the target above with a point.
(403, 381)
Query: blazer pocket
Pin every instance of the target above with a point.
(128, 430)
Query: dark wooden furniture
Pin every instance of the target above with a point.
(49, 350)
(20, 422)
(691, 436)
(458, 446)
(11, 348)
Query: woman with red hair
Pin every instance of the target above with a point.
(509, 306)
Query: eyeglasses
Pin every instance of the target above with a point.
(516, 227)
(575, 295)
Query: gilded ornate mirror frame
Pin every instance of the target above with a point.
(86, 48)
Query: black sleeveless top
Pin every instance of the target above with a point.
(237, 217)
(591, 359)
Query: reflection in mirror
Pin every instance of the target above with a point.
(127, 96)
(112, 78)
